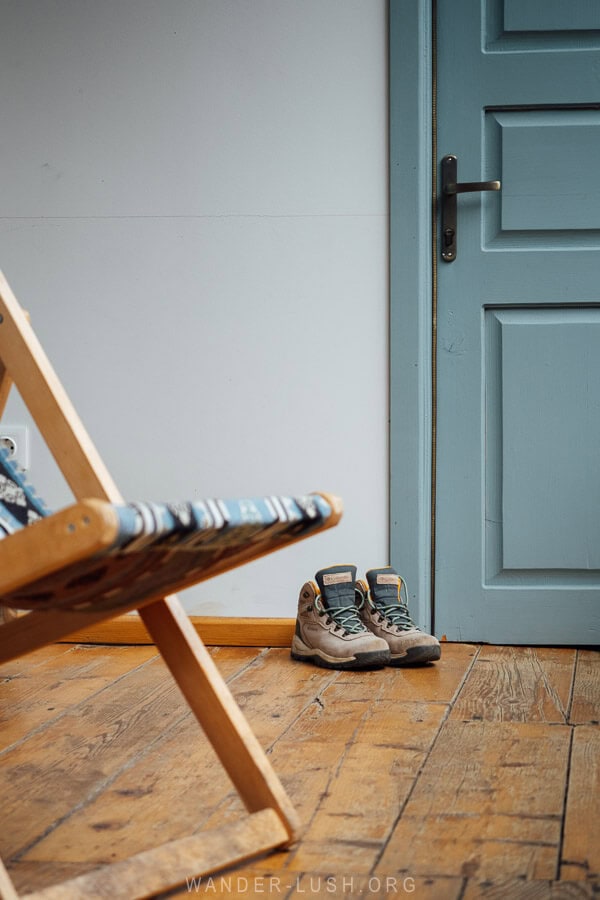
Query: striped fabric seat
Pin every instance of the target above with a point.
(157, 547)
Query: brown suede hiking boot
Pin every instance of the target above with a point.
(329, 632)
(381, 608)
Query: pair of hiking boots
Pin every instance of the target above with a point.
(343, 623)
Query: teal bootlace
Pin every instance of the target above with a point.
(345, 617)
(397, 614)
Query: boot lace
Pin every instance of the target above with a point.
(345, 617)
(396, 613)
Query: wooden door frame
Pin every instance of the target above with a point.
(412, 311)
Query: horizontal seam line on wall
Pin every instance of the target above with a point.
(216, 216)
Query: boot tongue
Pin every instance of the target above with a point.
(384, 585)
(336, 585)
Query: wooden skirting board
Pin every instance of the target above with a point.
(222, 631)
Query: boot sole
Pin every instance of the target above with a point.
(416, 655)
(376, 659)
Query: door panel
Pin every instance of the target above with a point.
(518, 325)
(554, 15)
(542, 188)
(539, 365)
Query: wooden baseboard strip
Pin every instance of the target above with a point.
(221, 631)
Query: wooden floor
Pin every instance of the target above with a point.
(477, 776)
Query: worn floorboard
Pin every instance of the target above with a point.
(478, 776)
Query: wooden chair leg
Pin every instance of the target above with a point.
(6, 383)
(6, 614)
(186, 860)
(7, 890)
(218, 713)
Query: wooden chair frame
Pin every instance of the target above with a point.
(272, 821)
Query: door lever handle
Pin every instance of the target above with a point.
(450, 188)
(467, 187)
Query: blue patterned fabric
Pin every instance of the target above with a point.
(19, 504)
(191, 525)
(160, 547)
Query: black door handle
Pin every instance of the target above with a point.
(466, 187)
(450, 188)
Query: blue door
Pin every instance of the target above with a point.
(517, 476)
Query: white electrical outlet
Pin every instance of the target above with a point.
(15, 438)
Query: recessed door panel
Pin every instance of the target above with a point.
(510, 26)
(542, 396)
(554, 15)
(550, 172)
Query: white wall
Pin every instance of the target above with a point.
(193, 207)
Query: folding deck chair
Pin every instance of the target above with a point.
(102, 557)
